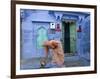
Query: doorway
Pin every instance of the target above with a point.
(42, 36)
(69, 36)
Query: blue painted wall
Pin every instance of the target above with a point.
(32, 20)
(85, 38)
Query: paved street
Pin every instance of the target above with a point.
(71, 61)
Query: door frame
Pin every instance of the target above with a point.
(68, 20)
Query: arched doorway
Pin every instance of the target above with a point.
(42, 36)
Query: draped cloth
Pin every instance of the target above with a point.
(56, 51)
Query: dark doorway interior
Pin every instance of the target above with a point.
(69, 36)
(66, 37)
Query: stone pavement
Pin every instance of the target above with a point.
(70, 61)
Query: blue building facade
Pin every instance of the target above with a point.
(71, 28)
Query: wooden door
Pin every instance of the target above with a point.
(69, 37)
(72, 37)
(42, 36)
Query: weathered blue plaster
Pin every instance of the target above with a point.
(35, 19)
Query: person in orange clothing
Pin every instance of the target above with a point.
(56, 52)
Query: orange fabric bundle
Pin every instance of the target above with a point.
(57, 51)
